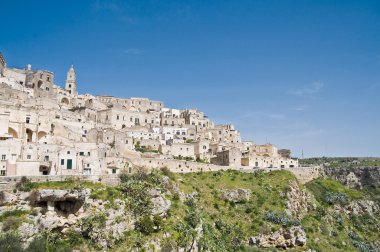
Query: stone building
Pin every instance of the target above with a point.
(46, 129)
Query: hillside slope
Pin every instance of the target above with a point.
(209, 211)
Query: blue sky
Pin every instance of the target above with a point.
(301, 74)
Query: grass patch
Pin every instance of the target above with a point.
(108, 193)
(322, 188)
(14, 213)
(64, 185)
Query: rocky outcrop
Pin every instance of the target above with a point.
(172, 188)
(284, 238)
(160, 205)
(357, 177)
(61, 195)
(64, 202)
(235, 195)
(358, 207)
(7, 198)
(106, 229)
(299, 202)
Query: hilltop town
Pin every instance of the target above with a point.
(138, 183)
(49, 130)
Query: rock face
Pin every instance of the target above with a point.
(160, 205)
(284, 238)
(64, 202)
(235, 195)
(299, 201)
(358, 207)
(116, 222)
(355, 177)
(62, 195)
(7, 198)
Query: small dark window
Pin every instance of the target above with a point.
(69, 164)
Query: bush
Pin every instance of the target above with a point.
(166, 172)
(175, 197)
(24, 184)
(333, 198)
(364, 246)
(11, 223)
(93, 222)
(145, 225)
(14, 213)
(38, 244)
(281, 219)
(158, 221)
(10, 242)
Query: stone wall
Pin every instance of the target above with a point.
(306, 174)
(9, 182)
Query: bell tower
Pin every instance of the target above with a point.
(71, 85)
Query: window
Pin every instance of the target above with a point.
(69, 164)
(27, 120)
(62, 162)
(88, 153)
(117, 117)
(3, 157)
(113, 171)
(69, 85)
(29, 157)
(68, 152)
(46, 158)
(81, 153)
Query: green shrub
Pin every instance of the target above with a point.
(10, 242)
(11, 223)
(281, 219)
(13, 213)
(145, 225)
(39, 244)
